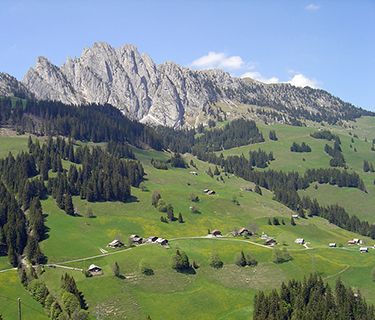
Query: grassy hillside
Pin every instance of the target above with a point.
(354, 201)
(225, 293)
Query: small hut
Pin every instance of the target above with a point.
(332, 245)
(216, 233)
(94, 270)
(136, 239)
(115, 244)
(151, 239)
(162, 241)
(270, 242)
(299, 241)
(244, 232)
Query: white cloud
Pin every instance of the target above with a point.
(299, 80)
(312, 7)
(257, 76)
(218, 60)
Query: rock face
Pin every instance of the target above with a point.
(168, 94)
(10, 86)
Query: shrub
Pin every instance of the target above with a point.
(250, 260)
(38, 290)
(156, 196)
(241, 260)
(194, 197)
(180, 261)
(162, 206)
(70, 303)
(281, 256)
(145, 269)
(216, 262)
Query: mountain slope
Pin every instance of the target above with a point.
(169, 94)
(10, 86)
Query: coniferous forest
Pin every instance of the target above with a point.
(107, 174)
(312, 299)
(100, 177)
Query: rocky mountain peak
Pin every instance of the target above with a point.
(169, 94)
(11, 87)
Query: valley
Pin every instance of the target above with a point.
(206, 293)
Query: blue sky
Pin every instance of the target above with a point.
(326, 44)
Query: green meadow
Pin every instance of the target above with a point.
(208, 293)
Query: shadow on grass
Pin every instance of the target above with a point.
(191, 270)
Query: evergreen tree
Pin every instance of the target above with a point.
(12, 255)
(68, 204)
(258, 190)
(366, 166)
(180, 218)
(292, 222)
(216, 262)
(216, 171)
(116, 270)
(272, 135)
(155, 198)
(180, 261)
(36, 219)
(33, 252)
(241, 260)
(69, 285)
(170, 212)
(209, 172)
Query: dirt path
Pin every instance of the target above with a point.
(6, 270)
(60, 263)
(338, 273)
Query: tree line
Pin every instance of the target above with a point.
(311, 299)
(285, 186)
(97, 123)
(303, 147)
(260, 159)
(25, 179)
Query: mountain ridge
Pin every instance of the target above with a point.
(171, 95)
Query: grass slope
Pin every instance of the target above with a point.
(209, 294)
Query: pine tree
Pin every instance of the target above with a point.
(155, 198)
(68, 204)
(272, 135)
(23, 276)
(12, 255)
(209, 172)
(216, 171)
(116, 270)
(33, 252)
(180, 261)
(366, 166)
(216, 262)
(180, 218)
(257, 190)
(292, 222)
(170, 212)
(241, 260)
(36, 219)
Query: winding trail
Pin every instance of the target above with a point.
(338, 273)
(6, 270)
(61, 263)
